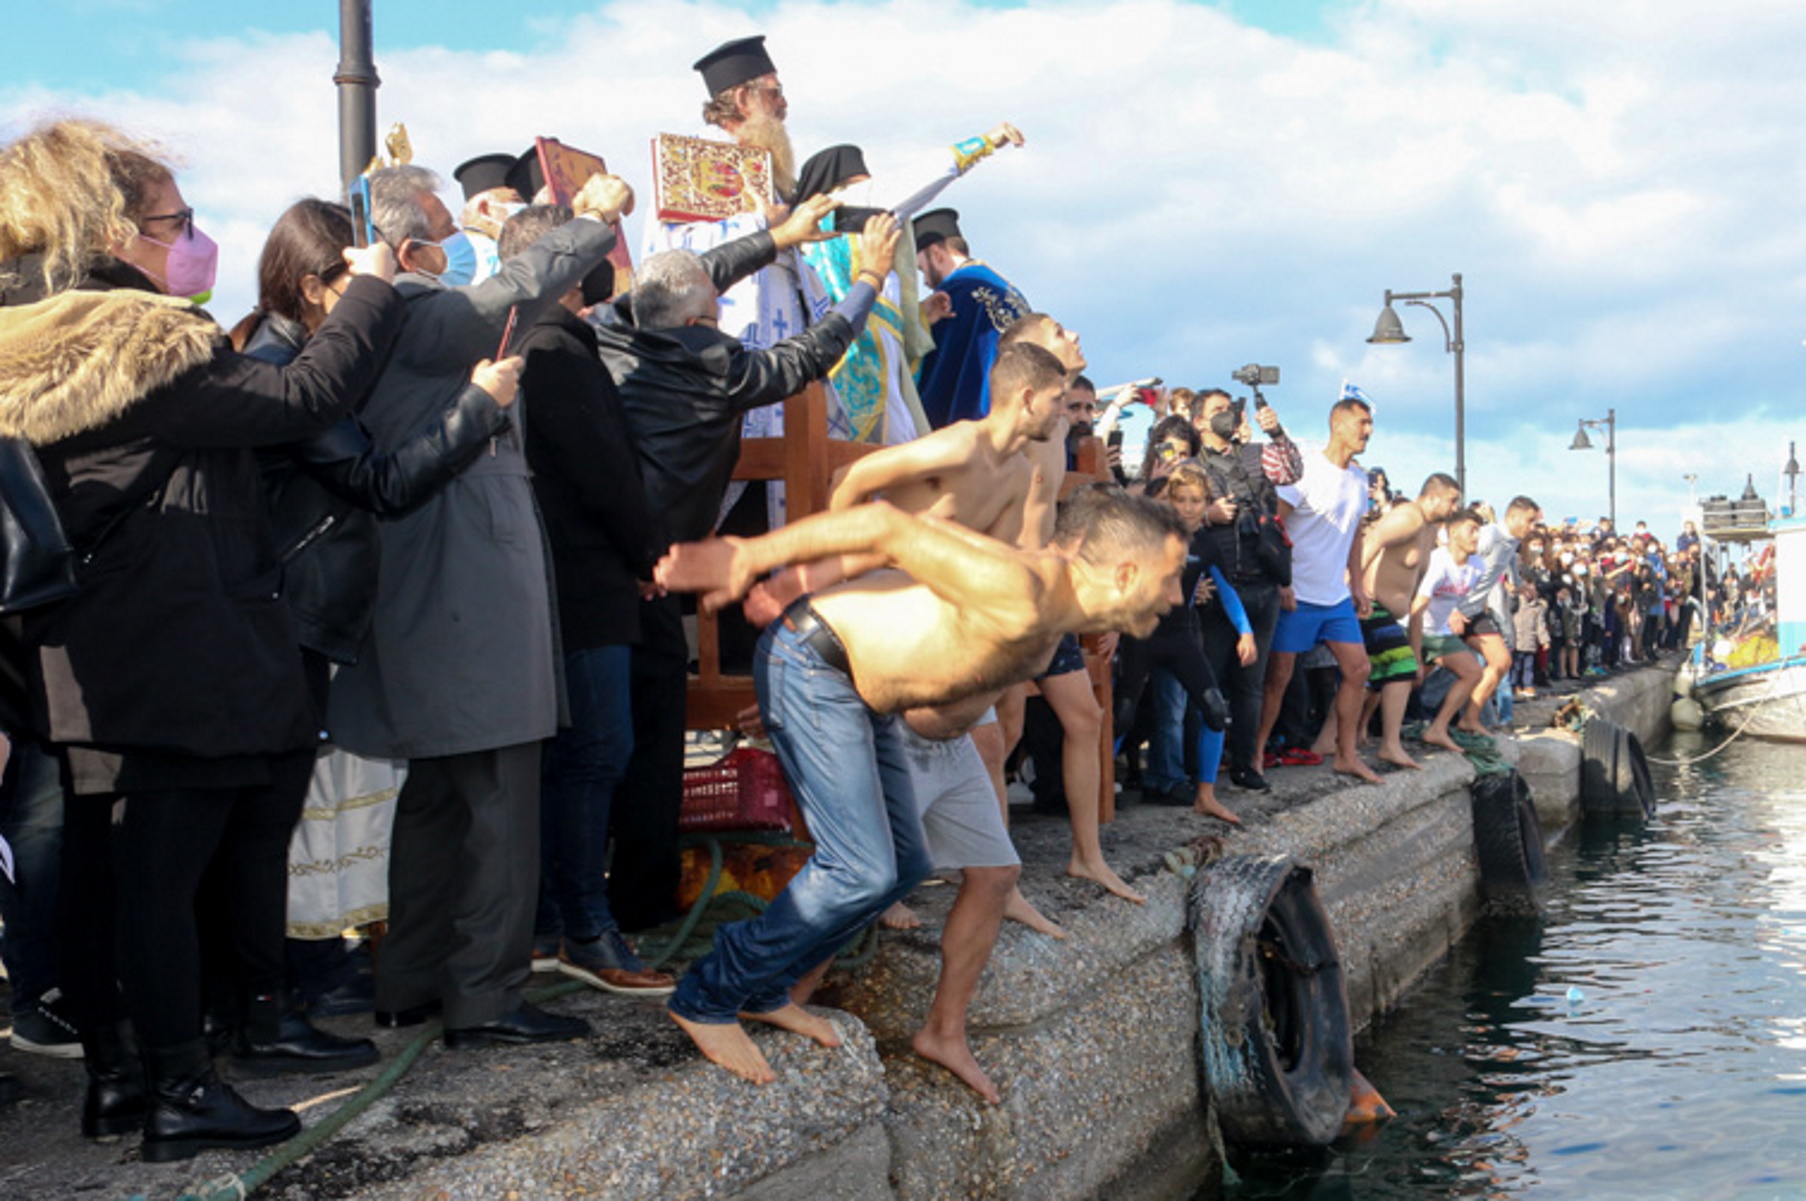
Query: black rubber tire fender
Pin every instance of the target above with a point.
(1508, 840)
(1614, 773)
(1276, 1048)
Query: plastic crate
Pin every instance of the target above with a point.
(744, 790)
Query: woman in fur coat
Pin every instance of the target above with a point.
(169, 682)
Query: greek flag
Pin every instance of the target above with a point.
(1351, 392)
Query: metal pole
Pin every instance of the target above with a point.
(1611, 466)
(357, 84)
(1460, 349)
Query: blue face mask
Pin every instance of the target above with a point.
(460, 260)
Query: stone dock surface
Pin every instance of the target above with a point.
(1092, 1040)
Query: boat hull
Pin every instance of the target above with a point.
(1768, 701)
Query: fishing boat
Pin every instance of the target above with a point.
(1764, 699)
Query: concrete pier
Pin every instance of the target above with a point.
(1092, 1039)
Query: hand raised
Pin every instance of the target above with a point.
(377, 260)
(607, 197)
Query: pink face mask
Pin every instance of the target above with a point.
(192, 265)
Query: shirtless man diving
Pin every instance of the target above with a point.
(954, 616)
(1066, 685)
(1394, 552)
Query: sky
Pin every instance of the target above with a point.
(1205, 185)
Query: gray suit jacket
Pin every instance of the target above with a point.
(461, 655)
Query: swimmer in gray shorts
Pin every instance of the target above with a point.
(957, 803)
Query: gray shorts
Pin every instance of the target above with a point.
(960, 817)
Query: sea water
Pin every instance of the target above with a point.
(1645, 1039)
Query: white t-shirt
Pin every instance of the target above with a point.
(1447, 585)
(1327, 504)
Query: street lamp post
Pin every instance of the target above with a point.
(1582, 442)
(1389, 330)
(357, 84)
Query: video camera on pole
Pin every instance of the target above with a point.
(1254, 375)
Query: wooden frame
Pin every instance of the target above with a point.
(805, 459)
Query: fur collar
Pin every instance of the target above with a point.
(77, 360)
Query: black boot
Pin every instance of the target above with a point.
(293, 1044)
(116, 1101)
(193, 1110)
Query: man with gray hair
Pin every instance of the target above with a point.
(458, 674)
(685, 386)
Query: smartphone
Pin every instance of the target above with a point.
(362, 231)
(1115, 438)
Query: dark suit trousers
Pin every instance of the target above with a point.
(643, 879)
(463, 883)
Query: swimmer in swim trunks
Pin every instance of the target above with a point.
(1395, 549)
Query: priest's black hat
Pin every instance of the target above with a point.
(483, 172)
(525, 176)
(733, 63)
(936, 225)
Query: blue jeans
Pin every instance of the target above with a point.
(582, 767)
(849, 769)
(32, 823)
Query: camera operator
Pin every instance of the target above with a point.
(1243, 517)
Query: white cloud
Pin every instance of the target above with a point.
(1614, 181)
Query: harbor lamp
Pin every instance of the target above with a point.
(1582, 442)
(1389, 330)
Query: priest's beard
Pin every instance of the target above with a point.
(763, 131)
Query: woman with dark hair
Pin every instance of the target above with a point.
(325, 495)
(168, 681)
(1172, 440)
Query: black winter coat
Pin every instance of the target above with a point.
(324, 491)
(685, 390)
(586, 478)
(177, 641)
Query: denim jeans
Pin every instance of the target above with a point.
(849, 769)
(582, 767)
(32, 823)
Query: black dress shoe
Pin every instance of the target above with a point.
(526, 1024)
(1248, 778)
(414, 1015)
(301, 1047)
(356, 995)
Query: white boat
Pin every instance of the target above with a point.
(1768, 700)
(1765, 701)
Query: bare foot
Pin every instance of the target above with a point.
(1017, 909)
(1440, 738)
(954, 1055)
(1354, 767)
(803, 989)
(1208, 805)
(795, 1018)
(729, 1046)
(1101, 873)
(900, 917)
(1467, 727)
(1396, 755)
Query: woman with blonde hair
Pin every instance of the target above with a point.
(168, 682)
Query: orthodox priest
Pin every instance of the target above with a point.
(971, 306)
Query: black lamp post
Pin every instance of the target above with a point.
(1582, 442)
(1389, 330)
(357, 84)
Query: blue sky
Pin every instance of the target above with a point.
(1204, 185)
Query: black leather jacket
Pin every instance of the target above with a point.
(326, 492)
(685, 390)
